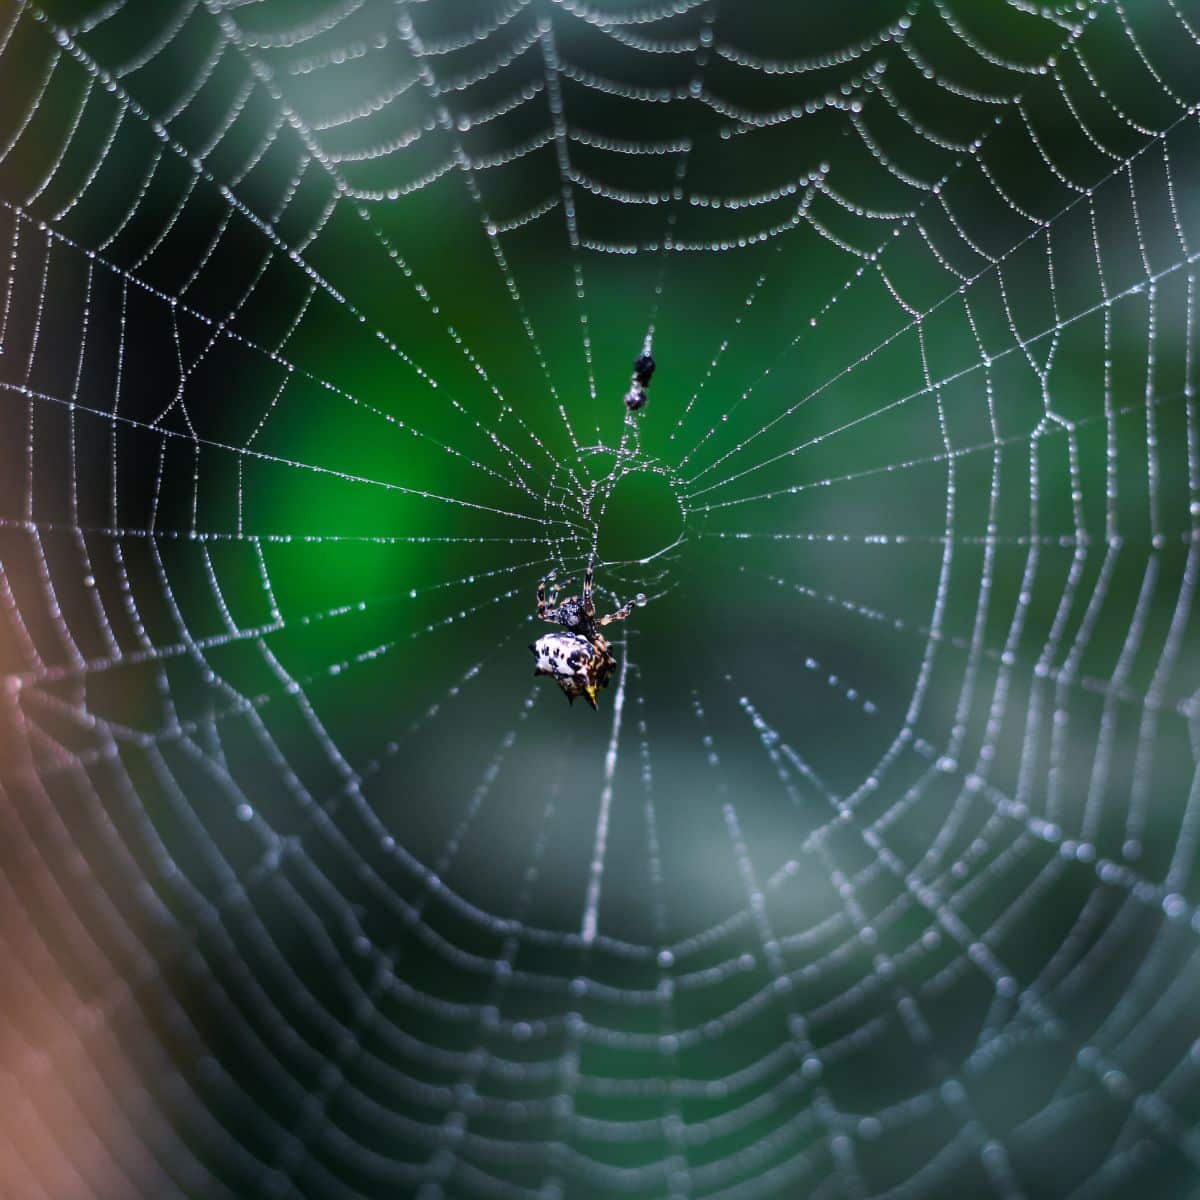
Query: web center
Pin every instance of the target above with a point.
(639, 519)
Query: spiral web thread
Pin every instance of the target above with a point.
(341, 1070)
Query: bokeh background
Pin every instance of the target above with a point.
(875, 874)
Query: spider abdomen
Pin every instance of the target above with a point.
(580, 667)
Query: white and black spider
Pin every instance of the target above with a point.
(579, 659)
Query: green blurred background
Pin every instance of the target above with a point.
(875, 872)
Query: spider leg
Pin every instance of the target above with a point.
(619, 615)
(588, 606)
(547, 606)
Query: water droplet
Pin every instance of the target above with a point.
(640, 599)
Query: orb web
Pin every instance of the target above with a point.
(876, 872)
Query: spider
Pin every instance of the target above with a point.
(579, 659)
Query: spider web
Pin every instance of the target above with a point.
(876, 873)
